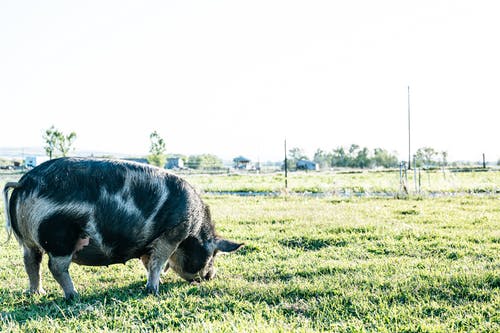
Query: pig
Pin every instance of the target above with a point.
(100, 212)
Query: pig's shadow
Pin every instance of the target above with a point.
(54, 306)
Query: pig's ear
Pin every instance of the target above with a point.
(224, 245)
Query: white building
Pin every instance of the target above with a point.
(33, 161)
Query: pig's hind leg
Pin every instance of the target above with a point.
(32, 260)
(61, 235)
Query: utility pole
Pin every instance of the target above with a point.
(409, 133)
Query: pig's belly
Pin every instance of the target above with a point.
(93, 255)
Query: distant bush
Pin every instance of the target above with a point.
(356, 157)
(204, 162)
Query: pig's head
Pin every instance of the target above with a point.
(194, 258)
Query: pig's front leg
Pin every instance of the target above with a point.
(155, 263)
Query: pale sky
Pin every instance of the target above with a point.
(237, 77)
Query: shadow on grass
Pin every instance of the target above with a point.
(311, 244)
(54, 306)
(22, 307)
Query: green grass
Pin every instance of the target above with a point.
(309, 264)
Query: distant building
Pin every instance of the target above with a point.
(33, 161)
(241, 162)
(174, 163)
(307, 165)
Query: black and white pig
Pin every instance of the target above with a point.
(100, 212)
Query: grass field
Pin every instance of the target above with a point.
(309, 264)
(340, 183)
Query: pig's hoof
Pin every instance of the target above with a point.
(152, 289)
(72, 296)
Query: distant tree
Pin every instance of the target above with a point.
(352, 153)
(362, 159)
(56, 141)
(65, 143)
(194, 162)
(444, 158)
(211, 162)
(356, 157)
(294, 155)
(339, 158)
(353, 149)
(204, 162)
(383, 158)
(157, 151)
(51, 137)
(322, 158)
(426, 156)
(297, 154)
